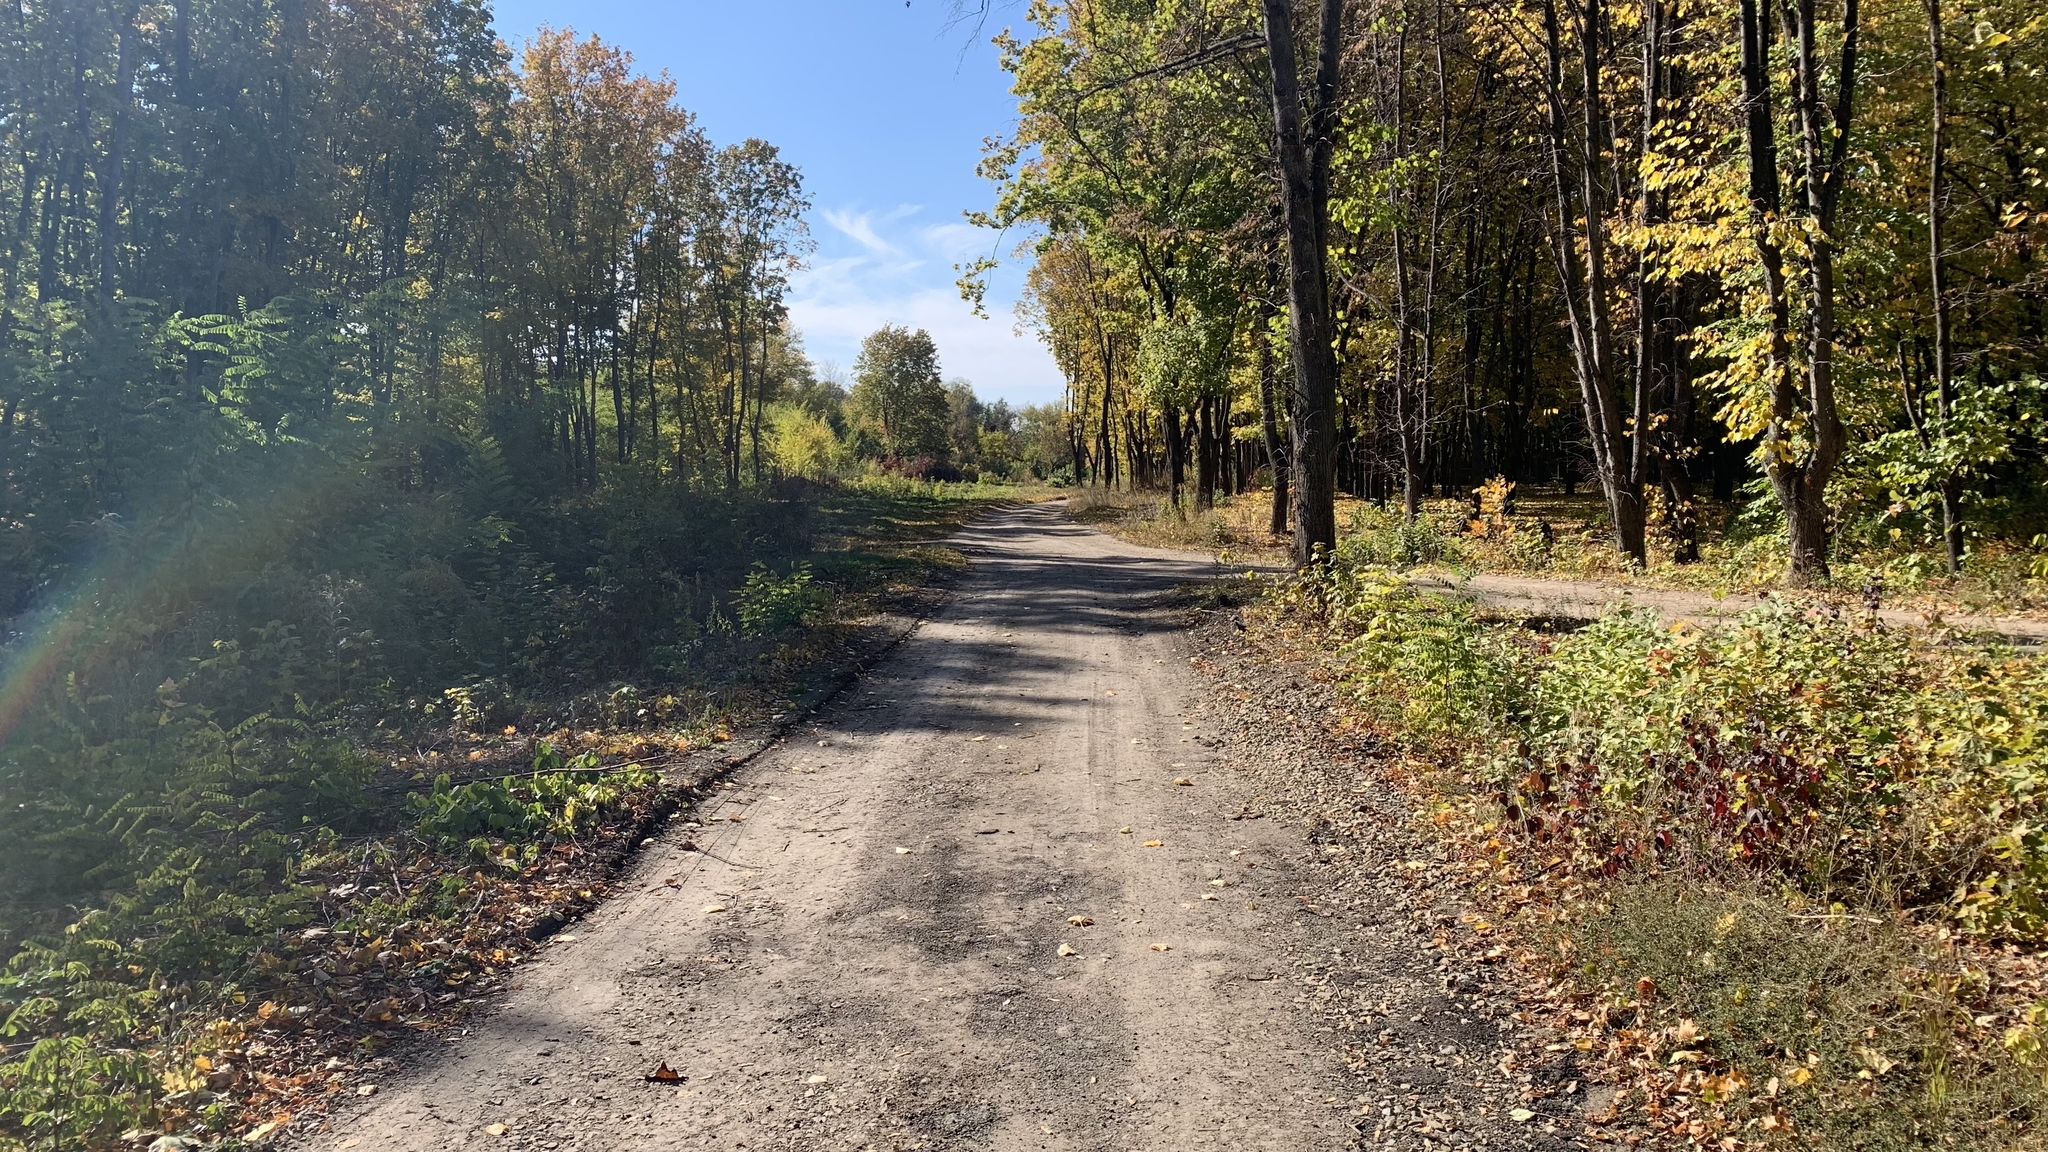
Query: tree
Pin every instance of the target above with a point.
(896, 385)
(1303, 123)
(1803, 438)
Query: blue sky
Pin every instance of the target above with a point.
(884, 107)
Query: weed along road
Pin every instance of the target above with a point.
(992, 896)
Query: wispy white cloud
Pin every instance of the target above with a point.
(896, 267)
(860, 228)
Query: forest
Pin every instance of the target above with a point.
(1756, 275)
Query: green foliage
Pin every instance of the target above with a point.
(1851, 760)
(896, 386)
(66, 1093)
(560, 799)
(769, 603)
(1449, 672)
(1384, 537)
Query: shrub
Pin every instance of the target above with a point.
(559, 800)
(769, 603)
(1839, 756)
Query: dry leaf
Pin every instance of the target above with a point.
(1153, 844)
(367, 1090)
(1080, 921)
(1521, 1115)
(665, 1075)
(1124, 831)
(710, 908)
(976, 739)
(1211, 896)
(496, 1129)
(903, 851)
(1162, 947)
(1069, 950)
(1183, 782)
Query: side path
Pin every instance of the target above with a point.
(1589, 599)
(1020, 887)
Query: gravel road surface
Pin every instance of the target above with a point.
(1008, 891)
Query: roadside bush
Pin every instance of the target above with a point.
(769, 603)
(559, 800)
(1841, 757)
(1383, 537)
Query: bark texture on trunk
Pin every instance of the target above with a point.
(1302, 149)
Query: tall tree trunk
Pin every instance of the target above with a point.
(1205, 455)
(1804, 438)
(117, 155)
(1583, 270)
(1944, 365)
(1269, 423)
(1303, 154)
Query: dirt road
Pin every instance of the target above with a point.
(971, 905)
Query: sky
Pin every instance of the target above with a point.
(884, 107)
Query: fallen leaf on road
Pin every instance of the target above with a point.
(986, 831)
(815, 1080)
(736, 817)
(1153, 844)
(1124, 831)
(1069, 950)
(1080, 921)
(903, 851)
(496, 1129)
(1110, 693)
(1211, 896)
(665, 1075)
(1219, 882)
(1162, 947)
(976, 739)
(1521, 1115)
(710, 908)
(1184, 782)
(367, 1090)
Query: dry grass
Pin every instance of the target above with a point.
(1234, 531)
